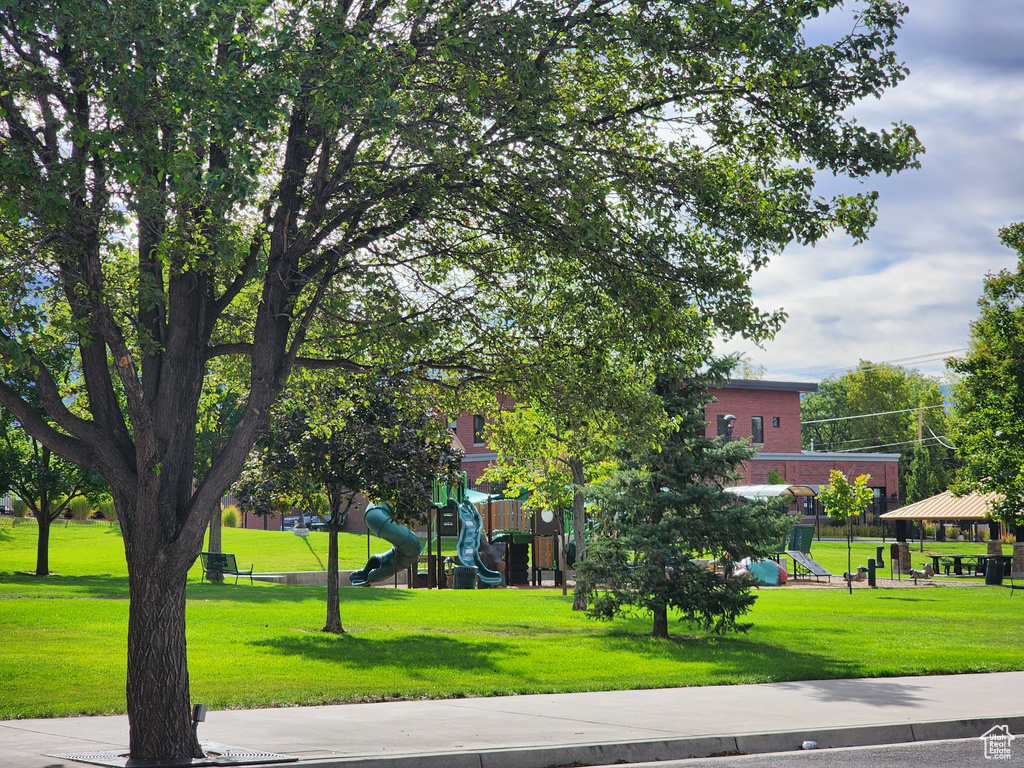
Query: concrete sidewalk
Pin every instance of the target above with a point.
(590, 728)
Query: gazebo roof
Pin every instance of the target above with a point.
(946, 506)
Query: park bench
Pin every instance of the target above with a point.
(222, 563)
(1015, 577)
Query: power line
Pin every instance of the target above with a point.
(902, 361)
(869, 415)
(945, 445)
(887, 445)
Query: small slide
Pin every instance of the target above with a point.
(383, 566)
(469, 542)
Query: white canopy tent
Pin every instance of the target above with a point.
(771, 491)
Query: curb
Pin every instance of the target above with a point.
(679, 749)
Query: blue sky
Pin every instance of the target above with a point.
(909, 293)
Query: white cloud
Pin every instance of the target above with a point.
(911, 290)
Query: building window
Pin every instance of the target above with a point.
(775, 421)
(453, 424)
(478, 430)
(725, 424)
(757, 429)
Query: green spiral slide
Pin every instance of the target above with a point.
(402, 555)
(469, 542)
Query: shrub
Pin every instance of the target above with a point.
(106, 510)
(229, 516)
(80, 508)
(19, 507)
(859, 531)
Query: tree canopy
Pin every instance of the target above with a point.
(988, 408)
(879, 407)
(404, 184)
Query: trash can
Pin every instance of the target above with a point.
(993, 571)
(465, 577)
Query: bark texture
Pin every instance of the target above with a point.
(579, 519)
(159, 704)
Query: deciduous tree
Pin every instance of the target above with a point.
(878, 407)
(844, 501)
(988, 407)
(46, 482)
(376, 439)
(335, 185)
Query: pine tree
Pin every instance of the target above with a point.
(666, 510)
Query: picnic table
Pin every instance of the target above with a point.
(976, 564)
(942, 563)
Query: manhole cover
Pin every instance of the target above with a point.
(216, 754)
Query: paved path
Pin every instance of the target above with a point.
(591, 728)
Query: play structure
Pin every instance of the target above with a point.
(497, 543)
(403, 554)
(472, 541)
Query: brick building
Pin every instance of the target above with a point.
(768, 413)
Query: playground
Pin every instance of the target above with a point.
(497, 544)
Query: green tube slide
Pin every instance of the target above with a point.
(383, 566)
(469, 542)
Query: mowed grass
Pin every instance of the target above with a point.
(256, 646)
(96, 548)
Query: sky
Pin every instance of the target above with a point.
(908, 295)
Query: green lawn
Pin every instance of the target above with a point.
(96, 548)
(254, 646)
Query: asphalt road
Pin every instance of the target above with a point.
(963, 753)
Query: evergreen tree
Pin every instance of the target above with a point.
(666, 509)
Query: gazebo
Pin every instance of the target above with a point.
(972, 508)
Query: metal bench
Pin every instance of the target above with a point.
(1016, 581)
(222, 562)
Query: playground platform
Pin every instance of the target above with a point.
(585, 728)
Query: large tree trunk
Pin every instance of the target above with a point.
(333, 597)
(159, 704)
(43, 544)
(579, 512)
